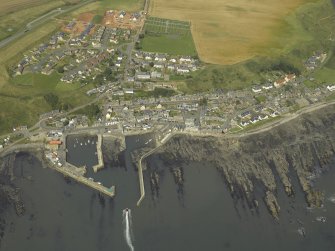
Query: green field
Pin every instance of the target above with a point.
(168, 36)
(166, 26)
(122, 4)
(101, 6)
(22, 100)
(171, 44)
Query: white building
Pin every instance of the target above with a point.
(128, 91)
(160, 58)
(331, 88)
(256, 89)
(142, 76)
(267, 87)
(158, 65)
(182, 69)
(185, 59)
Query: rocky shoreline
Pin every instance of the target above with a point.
(113, 149)
(300, 149)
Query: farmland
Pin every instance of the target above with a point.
(15, 14)
(99, 7)
(168, 36)
(171, 44)
(228, 32)
(10, 6)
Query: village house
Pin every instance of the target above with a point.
(182, 69)
(160, 58)
(156, 74)
(142, 76)
(159, 65)
(148, 57)
(267, 86)
(256, 89)
(128, 91)
(245, 114)
(171, 67)
(185, 59)
(331, 88)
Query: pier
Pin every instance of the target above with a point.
(100, 164)
(140, 168)
(77, 174)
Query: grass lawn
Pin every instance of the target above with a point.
(325, 75)
(97, 19)
(171, 44)
(38, 81)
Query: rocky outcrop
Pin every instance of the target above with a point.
(113, 149)
(300, 148)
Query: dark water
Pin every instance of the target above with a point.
(68, 216)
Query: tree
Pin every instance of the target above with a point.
(60, 69)
(92, 111)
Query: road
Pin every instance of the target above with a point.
(131, 45)
(39, 21)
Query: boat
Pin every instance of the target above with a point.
(321, 219)
(332, 199)
(302, 231)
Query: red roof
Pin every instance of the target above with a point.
(55, 142)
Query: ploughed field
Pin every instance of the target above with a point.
(227, 32)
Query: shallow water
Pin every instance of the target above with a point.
(68, 216)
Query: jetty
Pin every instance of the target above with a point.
(140, 168)
(100, 164)
(77, 174)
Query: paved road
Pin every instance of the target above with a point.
(39, 21)
(131, 45)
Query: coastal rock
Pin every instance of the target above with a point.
(272, 204)
(302, 147)
(113, 149)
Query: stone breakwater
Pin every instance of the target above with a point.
(300, 149)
